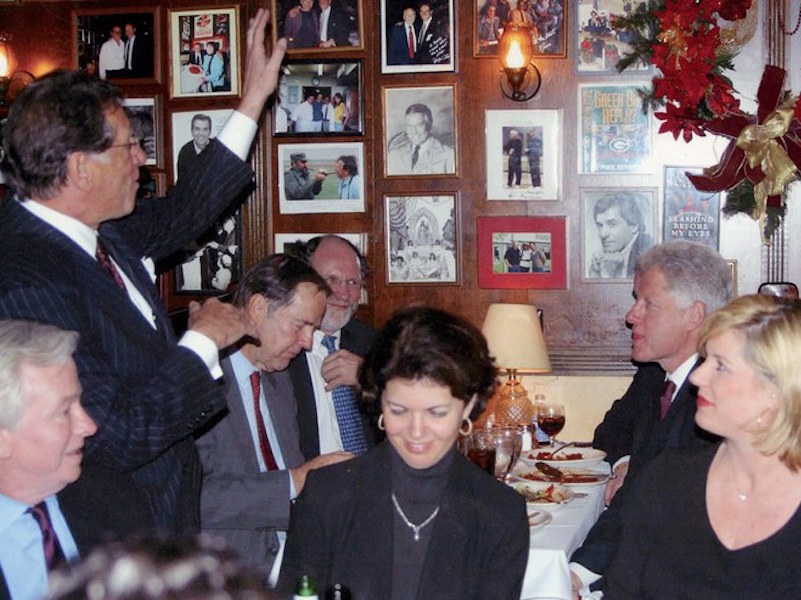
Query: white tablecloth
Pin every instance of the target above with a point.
(547, 575)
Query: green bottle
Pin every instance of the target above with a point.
(305, 589)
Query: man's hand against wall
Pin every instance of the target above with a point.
(341, 368)
(261, 70)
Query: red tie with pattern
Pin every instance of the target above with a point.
(105, 262)
(411, 42)
(666, 398)
(264, 443)
(52, 549)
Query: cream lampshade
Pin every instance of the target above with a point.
(515, 339)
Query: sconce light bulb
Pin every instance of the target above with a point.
(514, 59)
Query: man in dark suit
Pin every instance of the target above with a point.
(249, 480)
(42, 431)
(403, 40)
(138, 53)
(75, 259)
(676, 285)
(334, 27)
(317, 372)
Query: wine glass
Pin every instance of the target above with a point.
(496, 449)
(551, 419)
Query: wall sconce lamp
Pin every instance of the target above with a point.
(11, 81)
(519, 71)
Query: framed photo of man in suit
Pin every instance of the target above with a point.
(618, 225)
(420, 131)
(417, 37)
(118, 44)
(317, 26)
(145, 117)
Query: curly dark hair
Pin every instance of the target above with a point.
(427, 343)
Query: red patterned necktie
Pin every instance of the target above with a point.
(105, 262)
(52, 549)
(264, 443)
(411, 42)
(666, 398)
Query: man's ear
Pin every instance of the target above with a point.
(5, 444)
(257, 308)
(696, 313)
(79, 170)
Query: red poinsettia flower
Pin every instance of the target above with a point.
(678, 120)
(732, 10)
(798, 108)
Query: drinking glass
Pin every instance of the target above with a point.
(551, 419)
(495, 449)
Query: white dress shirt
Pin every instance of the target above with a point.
(327, 424)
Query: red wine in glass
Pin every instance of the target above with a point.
(551, 419)
(484, 458)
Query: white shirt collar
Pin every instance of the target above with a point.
(78, 232)
(683, 371)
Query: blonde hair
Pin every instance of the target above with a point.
(771, 332)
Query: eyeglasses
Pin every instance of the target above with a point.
(132, 144)
(352, 284)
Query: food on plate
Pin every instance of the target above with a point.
(551, 494)
(559, 456)
(567, 476)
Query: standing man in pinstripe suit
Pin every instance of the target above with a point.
(80, 257)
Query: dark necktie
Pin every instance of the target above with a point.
(54, 556)
(105, 262)
(665, 398)
(128, 54)
(264, 443)
(350, 424)
(415, 155)
(411, 42)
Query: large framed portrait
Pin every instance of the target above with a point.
(524, 154)
(618, 225)
(688, 213)
(522, 252)
(319, 98)
(118, 43)
(145, 117)
(614, 134)
(321, 178)
(417, 38)
(422, 238)
(545, 19)
(599, 47)
(204, 52)
(318, 27)
(420, 131)
(191, 132)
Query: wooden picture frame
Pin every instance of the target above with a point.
(547, 20)
(497, 234)
(422, 239)
(144, 114)
(421, 117)
(340, 192)
(539, 133)
(617, 226)
(139, 63)
(434, 50)
(341, 82)
(194, 36)
(345, 26)
(689, 214)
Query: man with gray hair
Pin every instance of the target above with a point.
(42, 430)
(676, 285)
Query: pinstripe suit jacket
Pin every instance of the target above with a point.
(146, 394)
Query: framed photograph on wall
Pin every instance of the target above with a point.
(319, 98)
(422, 238)
(204, 52)
(618, 224)
(614, 134)
(546, 19)
(524, 154)
(420, 131)
(145, 117)
(191, 132)
(321, 178)
(301, 23)
(417, 38)
(689, 214)
(599, 47)
(118, 43)
(522, 252)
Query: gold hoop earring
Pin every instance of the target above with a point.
(381, 422)
(469, 427)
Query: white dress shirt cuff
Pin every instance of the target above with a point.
(621, 461)
(205, 349)
(587, 578)
(237, 134)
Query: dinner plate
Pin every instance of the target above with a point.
(583, 477)
(540, 494)
(577, 458)
(537, 519)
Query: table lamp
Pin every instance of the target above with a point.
(515, 339)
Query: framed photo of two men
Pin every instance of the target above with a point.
(417, 36)
(318, 26)
(118, 44)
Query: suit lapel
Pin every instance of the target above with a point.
(242, 438)
(4, 593)
(283, 412)
(306, 406)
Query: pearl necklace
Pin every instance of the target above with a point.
(415, 528)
